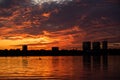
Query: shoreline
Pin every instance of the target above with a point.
(59, 53)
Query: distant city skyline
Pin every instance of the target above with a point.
(86, 46)
(42, 24)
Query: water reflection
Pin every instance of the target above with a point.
(60, 67)
(105, 62)
(55, 62)
(95, 62)
(24, 62)
(87, 62)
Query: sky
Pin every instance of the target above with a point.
(42, 24)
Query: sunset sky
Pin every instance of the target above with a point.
(41, 24)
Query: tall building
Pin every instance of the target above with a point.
(104, 45)
(24, 48)
(55, 48)
(96, 45)
(86, 46)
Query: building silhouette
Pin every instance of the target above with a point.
(55, 48)
(96, 45)
(104, 45)
(24, 48)
(86, 46)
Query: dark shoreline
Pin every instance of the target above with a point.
(11, 53)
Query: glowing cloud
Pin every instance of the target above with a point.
(49, 1)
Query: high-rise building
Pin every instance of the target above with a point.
(96, 45)
(104, 45)
(86, 46)
(24, 48)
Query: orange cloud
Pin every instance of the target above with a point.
(46, 14)
(64, 39)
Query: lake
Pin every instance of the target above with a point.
(60, 68)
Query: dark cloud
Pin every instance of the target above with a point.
(13, 3)
(6, 3)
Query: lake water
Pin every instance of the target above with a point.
(60, 68)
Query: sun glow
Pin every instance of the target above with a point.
(29, 41)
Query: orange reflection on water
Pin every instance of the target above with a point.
(38, 66)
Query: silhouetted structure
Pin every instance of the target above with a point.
(86, 46)
(96, 45)
(89, 49)
(55, 49)
(104, 45)
(24, 48)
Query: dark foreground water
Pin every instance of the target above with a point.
(60, 68)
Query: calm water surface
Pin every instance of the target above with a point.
(61, 68)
